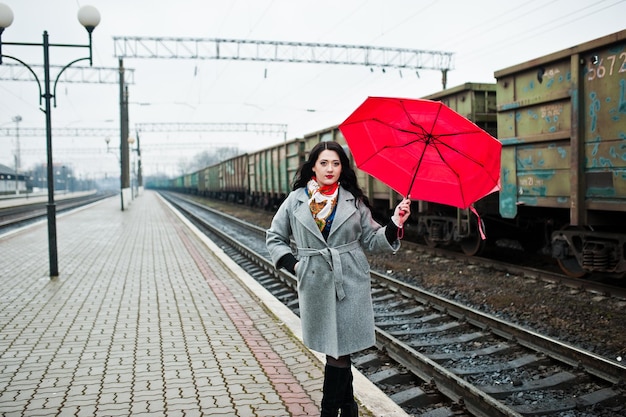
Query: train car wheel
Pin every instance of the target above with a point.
(429, 242)
(570, 265)
(473, 245)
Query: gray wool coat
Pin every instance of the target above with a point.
(334, 290)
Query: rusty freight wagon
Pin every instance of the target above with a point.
(202, 181)
(190, 182)
(233, 178)
(177, 183)
(271, 172)
(212, 186)
(443, 225)
(562, 123)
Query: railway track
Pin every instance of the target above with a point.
(437, 357)
(20, 215)
(526, 266)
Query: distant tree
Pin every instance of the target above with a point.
(203, 159)
(207, 158)
(183, 166)
(226, 153)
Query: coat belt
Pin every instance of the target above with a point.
(331, 256)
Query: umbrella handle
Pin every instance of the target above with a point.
(401, 228)
(402, 212)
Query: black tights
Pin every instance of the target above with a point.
(340, 362)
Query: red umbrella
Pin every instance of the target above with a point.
(423, 150)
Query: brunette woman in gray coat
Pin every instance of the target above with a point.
(330, 221)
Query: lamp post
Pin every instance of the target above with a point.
(131, 141)
(108, 140)
(89, 17)
(17, 120)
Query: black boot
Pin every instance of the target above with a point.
(334, 390)
(349, 407)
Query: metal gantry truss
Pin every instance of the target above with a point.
(83, 75)
(278, 51)
(263, 128)
(81, 132)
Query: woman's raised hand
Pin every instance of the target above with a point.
(402, 212)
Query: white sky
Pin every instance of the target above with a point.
(485, 35)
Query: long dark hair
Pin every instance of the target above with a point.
(347, 178)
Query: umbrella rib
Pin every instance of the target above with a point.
(450, 166)
(435, 142)
(456, 174)
(428, 138)
(417, 168)
(461, 146)
(418, 139)
(465, 155)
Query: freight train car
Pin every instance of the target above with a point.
(562, 124)
(212, 182)
(444, 225)
(190, 182)
(202, 181)
(562, 121)
(271, 172)
(178, 183)
(233, 179)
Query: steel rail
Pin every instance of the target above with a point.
(560, 351)
(450, 385)
(476, 401)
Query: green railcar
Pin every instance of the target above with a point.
(445, 225)
(271, 172)
(562, 124)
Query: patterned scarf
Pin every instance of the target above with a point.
(322, 201)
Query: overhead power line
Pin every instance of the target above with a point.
(278, 51)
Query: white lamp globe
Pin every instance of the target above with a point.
(6, 16)
(89, 17)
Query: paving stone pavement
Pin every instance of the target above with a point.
(143, 320)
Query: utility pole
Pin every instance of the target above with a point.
(17, 120)
(124, 157)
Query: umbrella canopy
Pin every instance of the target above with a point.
(424, 150)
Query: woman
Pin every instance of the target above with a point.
(331, 223)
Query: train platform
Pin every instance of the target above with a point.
(14, 200)
(148, 318)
